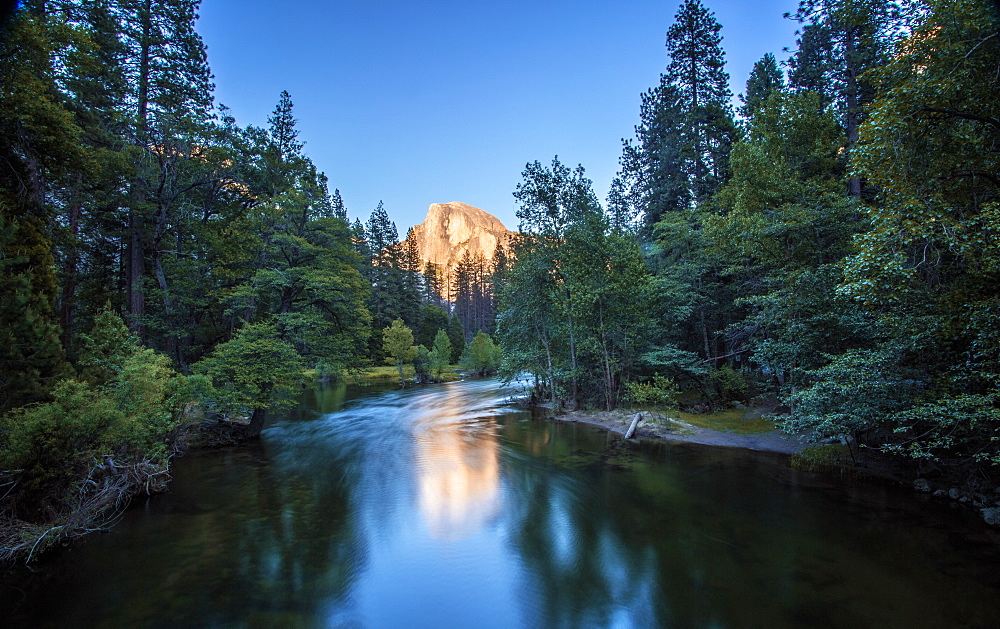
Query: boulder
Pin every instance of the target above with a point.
(991, 515)
(921, 485)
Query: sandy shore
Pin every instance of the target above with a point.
(676, 430)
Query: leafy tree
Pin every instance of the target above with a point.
(254, 372)
(926, 270)
(440, 354)
(576, 293)
(397, 343)
(481, 355)
(422, 364)
(785, 228)
(54, 451)
(104, 350)
(38, 144)
(456, 334)
(841, 41)
(432, 320)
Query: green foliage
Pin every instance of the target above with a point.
(854, 392)
(256, 370)
(50, 448)
(830, 458)
(659, 391)
(432, 319)
(104, 350)
(922, 382)
(765, 79)
(422, 364)
(31, 354)
(456, 334)
(397, 343)
(727, 384)
(440, 354)
(575, 303)
(482, 355)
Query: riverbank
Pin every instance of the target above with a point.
(657, 426)
(977, 498)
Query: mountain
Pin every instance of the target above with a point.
(451, 229)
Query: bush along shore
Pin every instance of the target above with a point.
(108, 433)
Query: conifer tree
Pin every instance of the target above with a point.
(339, 209)
(686, 128)
(38, 144)
(697, 70)
(841, 40)
(765, 79)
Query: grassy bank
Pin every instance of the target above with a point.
(388, 374)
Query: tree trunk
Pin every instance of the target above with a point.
(853, 103)
(134, 250)
(67, 305)
(574, 404)
(548, 365)
(704, 337)
(134, 271)
(256, 422)
(609, 380)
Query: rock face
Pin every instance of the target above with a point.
(452, 229)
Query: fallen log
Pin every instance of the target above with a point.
(635, 422)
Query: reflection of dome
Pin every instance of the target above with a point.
(459, 477)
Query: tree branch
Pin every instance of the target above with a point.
(962, 114)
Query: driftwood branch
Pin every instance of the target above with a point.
(635, 422)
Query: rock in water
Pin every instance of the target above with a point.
(450, 230)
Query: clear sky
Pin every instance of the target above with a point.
(415, 102)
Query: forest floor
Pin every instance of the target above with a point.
(732, 429)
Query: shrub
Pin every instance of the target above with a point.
(660, 391)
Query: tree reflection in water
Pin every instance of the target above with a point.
(441, 507)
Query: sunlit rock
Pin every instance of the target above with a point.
(451, 229)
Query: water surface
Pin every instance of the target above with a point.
(443, 507)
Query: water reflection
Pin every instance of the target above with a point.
(438, 507)
(458, 473)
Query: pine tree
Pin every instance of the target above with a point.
(765, 79)
(284, 135)
(686, 126)
(697, 69)
(38, 144)
(653, 164)
(841, 41)
(339, 209)
(169, 87)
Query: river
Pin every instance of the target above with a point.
(443, 507)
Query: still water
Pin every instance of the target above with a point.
(443, 507)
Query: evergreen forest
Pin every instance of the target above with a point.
(831, 243)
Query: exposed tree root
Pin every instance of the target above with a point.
(100, 500)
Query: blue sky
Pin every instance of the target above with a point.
(415, 103)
